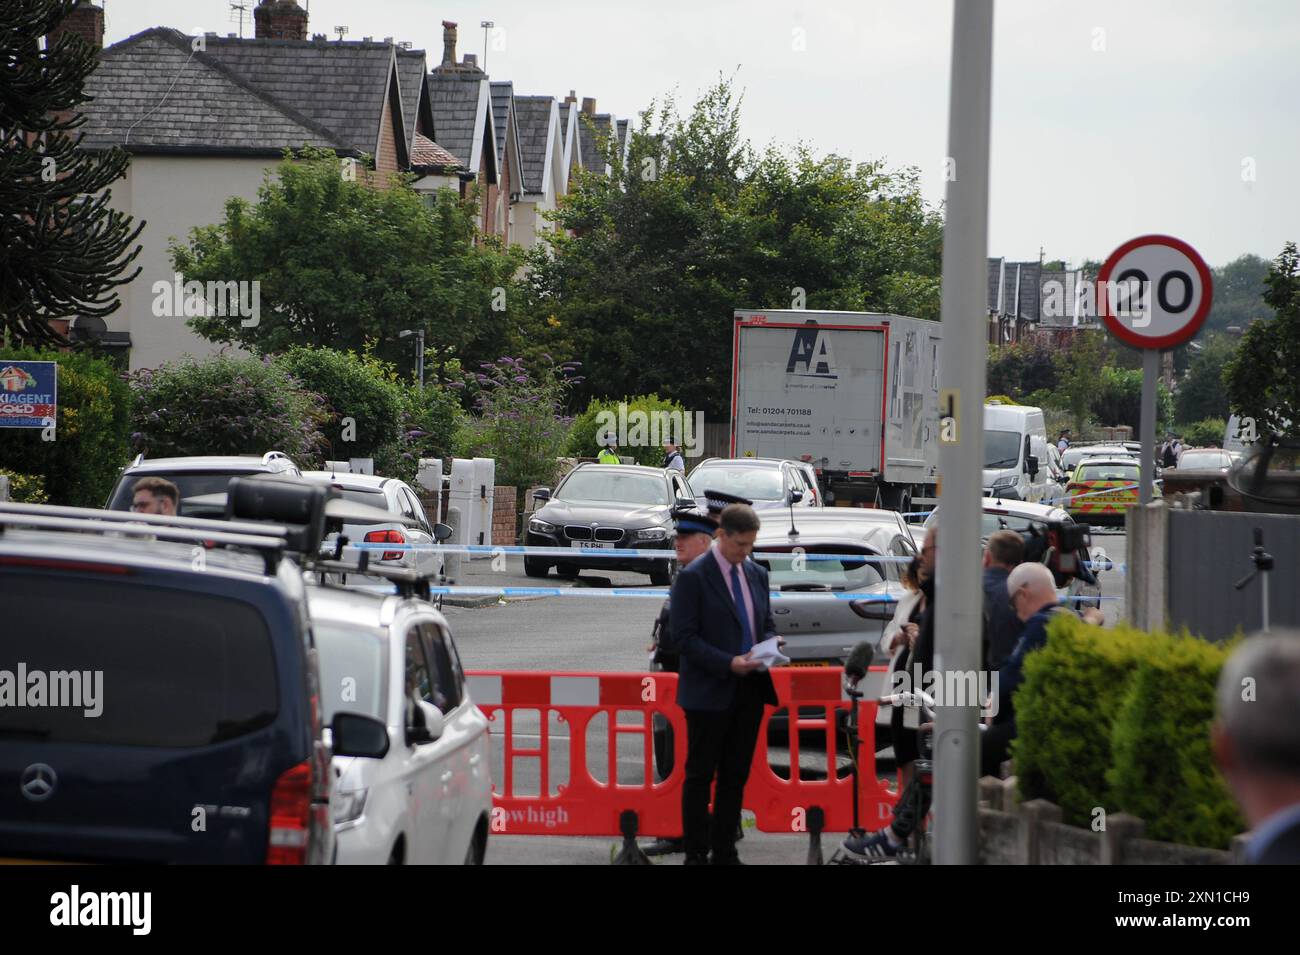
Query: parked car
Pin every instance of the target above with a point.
(427, 799)
(812, 493)
(1102, 489)
(605, 506)
(1267, 477)
(410, 528)
(206, 743)
(197, 477)
(1077, 452)
(1204, 459)
(1024, 518)
(768, 482)
(821, 630)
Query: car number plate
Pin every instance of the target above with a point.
(593, 545)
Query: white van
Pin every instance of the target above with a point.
(1015, 453)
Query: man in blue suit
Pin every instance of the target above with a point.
(1256, 741)
(719, 610)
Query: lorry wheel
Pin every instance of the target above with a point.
(534, 567)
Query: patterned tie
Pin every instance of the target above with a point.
(747, 628)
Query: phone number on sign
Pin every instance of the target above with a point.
(798, 411)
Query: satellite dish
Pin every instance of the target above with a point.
(87, 328)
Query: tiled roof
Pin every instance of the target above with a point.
(455, 101)
(411, 73)
(503, 95)
(427, 154)
(338, 85)
(152, 91)
(533, 121)
(595, 132)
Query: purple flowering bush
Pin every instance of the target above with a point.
(519, 417)
(226, 405)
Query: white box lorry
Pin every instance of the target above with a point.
(854, 393)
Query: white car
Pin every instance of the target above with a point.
(396, 497)
(818, 623)
(428, 799)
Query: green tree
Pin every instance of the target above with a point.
(1023, 368)
(641, 410)
(341, 262)
(1077, 369)
(643, 277)
(363, 400)
(1201, 393)
(65, 250)
(1261, 378)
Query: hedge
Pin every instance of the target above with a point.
(356, 387)
(582, 437)
(1120, 718)
(90, 445)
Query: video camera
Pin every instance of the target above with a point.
(1064, 548)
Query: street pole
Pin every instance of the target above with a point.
(959, 595)
(1147, 422)
(419, 356)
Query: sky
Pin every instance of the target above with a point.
(1111, 118)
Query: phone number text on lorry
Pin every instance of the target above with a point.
(795, 411)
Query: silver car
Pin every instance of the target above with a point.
(200, 479)
(811, 604)
(415, 540)
(768, 482)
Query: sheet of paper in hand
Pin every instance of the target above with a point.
(769, 654)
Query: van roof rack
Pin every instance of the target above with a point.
(268, 540)
(410, 583)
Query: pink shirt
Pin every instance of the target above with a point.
(725, 566)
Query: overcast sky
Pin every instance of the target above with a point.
(1111, 117)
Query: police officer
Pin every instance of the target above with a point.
(694, 536)
(715, 501)
(673, 457)
(608, 453)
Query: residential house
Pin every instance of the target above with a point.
(461, 100)
(206, 118)
(544, 175)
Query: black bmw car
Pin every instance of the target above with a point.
(603, 507)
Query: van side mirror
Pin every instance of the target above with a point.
(428, 723)
(442, 532)
(1031, 465)
(357, 735)
(796, 496)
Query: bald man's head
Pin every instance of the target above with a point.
(1031, 588)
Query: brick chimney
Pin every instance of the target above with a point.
(86, 20)
(280, 20)
(448, 43)
(471, 61)
(589, 105)
(571, 98)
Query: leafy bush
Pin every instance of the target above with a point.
(1203, 434)
(1072, 688)
(644, 444)
(79, 466)
(431, 423)
(225, 405)
(1163, 770)
(26, 488)
(356, 387)
(1022, 368)
(1119, 718)
(519, 420)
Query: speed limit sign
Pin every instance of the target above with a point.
(1154, 292)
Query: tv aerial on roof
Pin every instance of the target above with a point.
(341, 31)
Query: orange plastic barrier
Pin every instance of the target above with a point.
(810, 698)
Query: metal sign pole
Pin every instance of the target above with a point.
(959, 596)
(1146, 474)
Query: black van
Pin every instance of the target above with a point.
(158, 693)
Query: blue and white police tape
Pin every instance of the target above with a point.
(493, 550)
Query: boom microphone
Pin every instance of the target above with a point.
(859, 659)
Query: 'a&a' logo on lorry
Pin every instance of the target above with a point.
(811, 354)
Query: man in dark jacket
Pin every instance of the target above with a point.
(720, 609)
(1002, 554)
(1256, 741)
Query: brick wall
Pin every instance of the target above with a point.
(504, 527)
(386, 157)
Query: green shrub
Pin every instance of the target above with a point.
(1163, 769)
(356, 387)
(431, 422)
(1203, 434)
(644, 443)
(1072, 689)
(226, 405)
(1120, 718)
(90, 443)
(26, 488)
